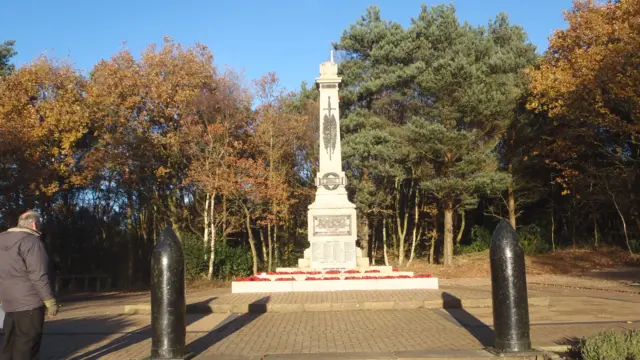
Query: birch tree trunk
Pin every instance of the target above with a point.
(401, 223)
(206, 223)
(417, 230)
(214, 230)
(270, 245)
(384, 241)
(263, 243)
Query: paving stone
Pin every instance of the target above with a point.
(86, 331)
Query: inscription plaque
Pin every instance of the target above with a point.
(327, 253)
(332, 225)
(349, 251)
(316, 251)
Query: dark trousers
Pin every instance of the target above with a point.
(22, 335)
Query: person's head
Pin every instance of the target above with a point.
(30, 220)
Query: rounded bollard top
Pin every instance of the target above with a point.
(505, 242)
(168, 244)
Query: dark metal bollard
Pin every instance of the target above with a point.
(168, 305)
(509, 291)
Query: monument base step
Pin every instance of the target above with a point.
(243, 287)
(302, 277)
(383, 269)
(249, 304)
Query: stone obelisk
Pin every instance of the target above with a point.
(332, 217)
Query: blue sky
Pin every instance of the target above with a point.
(290, 37)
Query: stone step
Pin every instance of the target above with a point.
(362, 269)
(216, 306)
(302, 277)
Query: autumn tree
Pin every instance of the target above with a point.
(138, 108)
(213, 139)
(43, 119)
(588, 86)
(276, 132)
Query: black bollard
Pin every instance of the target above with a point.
(509, 291)
(168, 305)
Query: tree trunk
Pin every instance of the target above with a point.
(374, 246)
(276, 249)
(263, 243)
(417, 230)
(462, 225)
(270, 257)
(595, 232)
(394, 237)
(224, 220)
(131, 243)
(434, 239)
(511, 201)
(173, 214)
(384, 241)
(553, 231)
(574, 240)
(206, 222)
(212, 250)
(401, 223)
(364, 238)
(448, 233)
(624, 223)
(252, 241)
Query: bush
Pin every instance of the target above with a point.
(633, 344)
(609, 345)
(532, 240)
(480, 241)
(195, 256)
(231, 262)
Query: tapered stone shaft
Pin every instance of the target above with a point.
(509, 291)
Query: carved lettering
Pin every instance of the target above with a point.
(332, 225)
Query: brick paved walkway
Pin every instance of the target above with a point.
(301, 333)
(96, 330)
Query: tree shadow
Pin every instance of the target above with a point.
(479, 330)
(628, 275)
(589, 263)
(122, 342)
(256, 309)
(573, 347)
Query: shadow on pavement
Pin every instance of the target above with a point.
(631, 275)
(256, 309)
(95, 330)
(479, 330)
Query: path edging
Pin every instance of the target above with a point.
(212, 307)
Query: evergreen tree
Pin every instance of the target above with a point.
(6, 53)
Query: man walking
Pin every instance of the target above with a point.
(25, 289)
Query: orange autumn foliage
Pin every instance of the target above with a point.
(43, 116)
(588, 83)
(590, 71)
